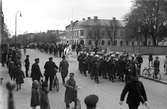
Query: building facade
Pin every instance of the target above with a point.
(97, 32)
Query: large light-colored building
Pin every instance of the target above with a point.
(97, 32)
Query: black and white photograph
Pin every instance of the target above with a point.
(83, 54)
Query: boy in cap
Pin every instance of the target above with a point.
(91, 101)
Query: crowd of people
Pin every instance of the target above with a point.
(113, 66)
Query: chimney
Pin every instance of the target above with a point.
(83, 19)
(89, 18)
(95, 17)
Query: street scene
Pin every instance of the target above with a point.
(83, 54)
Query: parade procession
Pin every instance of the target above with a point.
(83, 54)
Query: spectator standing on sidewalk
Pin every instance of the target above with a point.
(35, 71)
(19, 77)
(136, 93)
(35, 99)
(27, 65)
(50, 71)
(165, 65)
(63, 68)
(44, 100)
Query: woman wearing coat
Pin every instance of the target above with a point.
(44, 100)
(35, 94)
(19, 77)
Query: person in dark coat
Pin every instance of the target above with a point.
(63, 68)
(35, 71)
(11, 69)
(35, 99)
(71, 91)
(27, 64)
(136, 93)
(91, 101)
(156, 66)
(50, 71)
(44, 100)
(19, 77)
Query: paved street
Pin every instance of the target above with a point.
(107, 91)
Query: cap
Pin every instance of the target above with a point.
(50, 58)
(91, 100)
(36, 59)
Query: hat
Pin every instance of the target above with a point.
(36, 59)
(63, 56)
(27, 55)
(50, 58)
(91, 100)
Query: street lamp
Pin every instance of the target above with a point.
(20, 15)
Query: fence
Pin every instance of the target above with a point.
(161, 50)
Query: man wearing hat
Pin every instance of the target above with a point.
(27, 64)
(63, 68)
(91, 101)
(35, 71)
(50, 71)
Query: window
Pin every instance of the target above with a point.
(132, 43)
(115, 42)
(127, 43)
(121, 43)
(102, 42)
(102, 33)
(109, 42)
(81, 32)
(90, 42)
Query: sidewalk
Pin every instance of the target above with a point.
(3, 90)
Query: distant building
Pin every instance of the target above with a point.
(96, 32)
(1, 23)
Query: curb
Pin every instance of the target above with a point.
(159, 81)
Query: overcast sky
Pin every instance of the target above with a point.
(42, 15)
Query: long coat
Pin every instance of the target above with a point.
(136, 93)
(35, 97)
(19, 76)
(64, 68)
(50, 68)
(44, 100)
(35, 72)
(70, 93)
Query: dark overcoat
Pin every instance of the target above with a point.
(19, 76)
(136, 93)
(64, 68)
(35, 72)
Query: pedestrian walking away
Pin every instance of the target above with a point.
(136, 93)
(19, 77)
